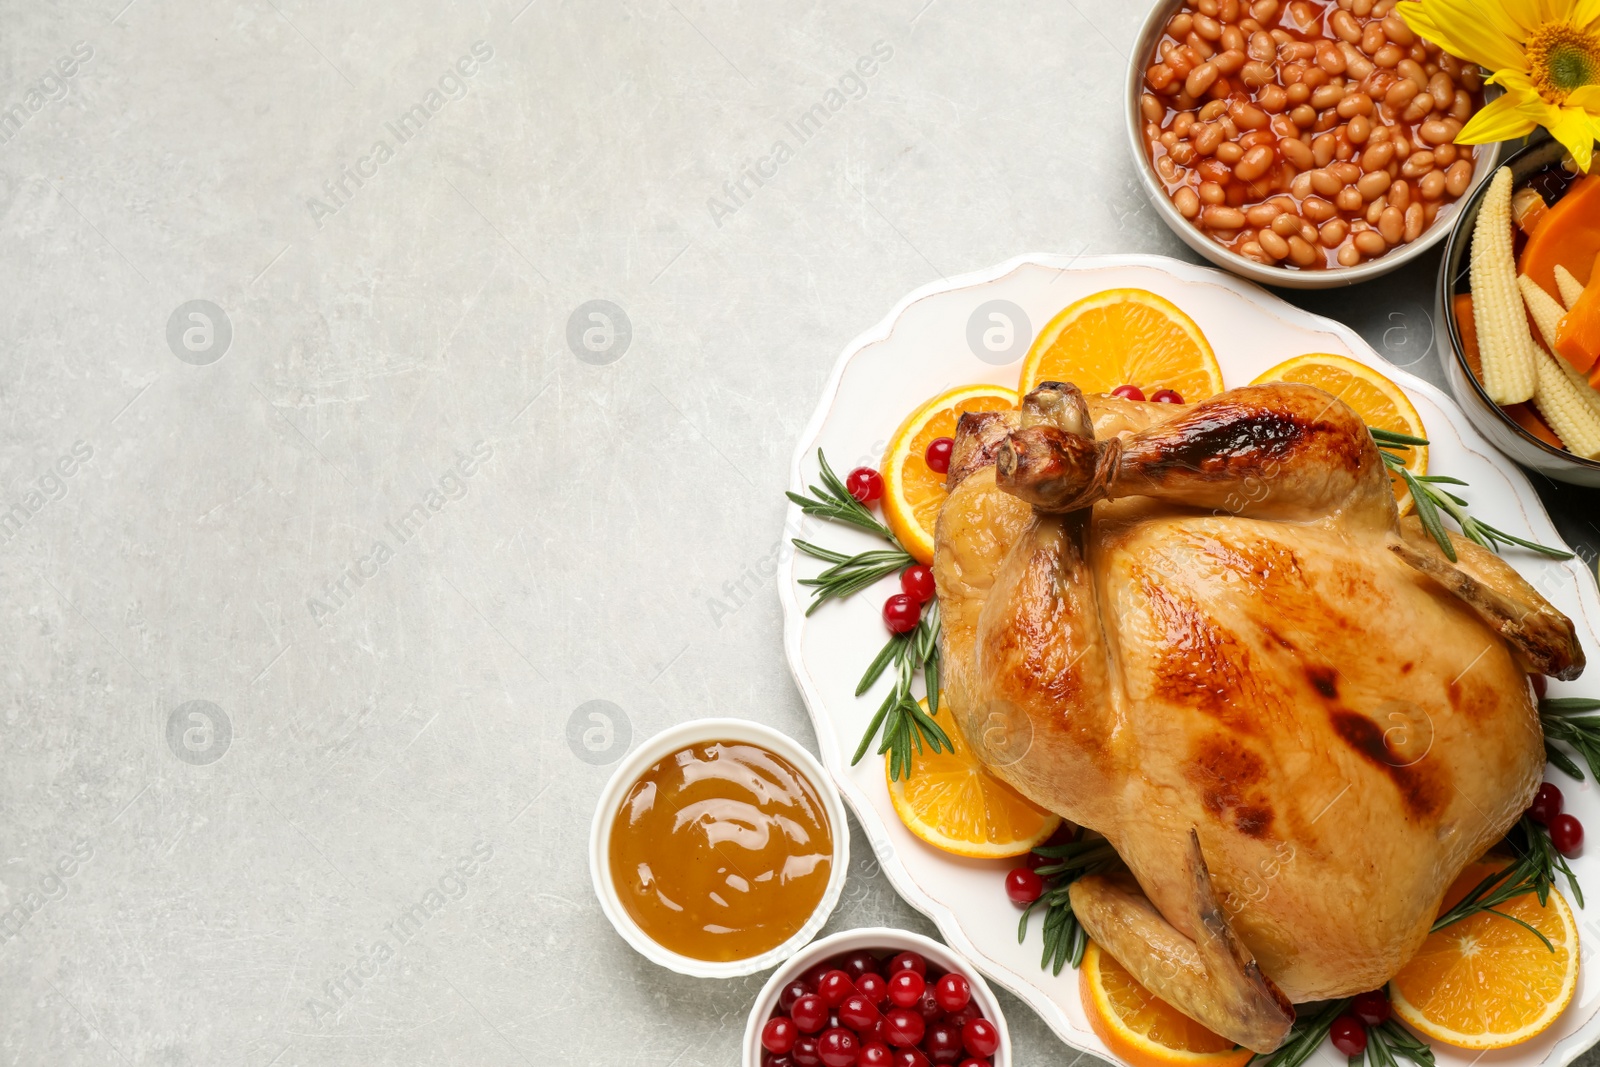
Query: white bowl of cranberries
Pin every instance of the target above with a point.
(876, 997)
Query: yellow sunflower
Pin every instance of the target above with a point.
(1544, 53)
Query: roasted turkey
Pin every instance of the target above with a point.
(1205, 633)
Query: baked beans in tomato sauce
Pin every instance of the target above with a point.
(1306, 134)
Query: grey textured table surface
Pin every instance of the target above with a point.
(388, 294)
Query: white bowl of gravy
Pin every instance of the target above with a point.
(718, 848)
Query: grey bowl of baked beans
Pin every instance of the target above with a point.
(1301, 143)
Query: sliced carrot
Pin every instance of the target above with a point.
(1469, 334)
(1578, 336)
(1525, 416)
(1568, 234)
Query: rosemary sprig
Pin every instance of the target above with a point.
(1563, 719)
(1534, 871)
(849, 573)
(1388, 1042)
(833, 501)
(1430, 501)
(900, 718)
(1064, 937)
(1305, 1037)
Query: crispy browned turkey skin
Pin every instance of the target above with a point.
(1205, 632)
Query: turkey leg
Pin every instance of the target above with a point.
(1212, 978)
(1285, 452)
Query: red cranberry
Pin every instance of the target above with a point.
(928, 1007)
(858, 1013)
(809, 1013)
(909, 1057)
(903, 1027)
(964, 1015)
(908, 961)
(905, 988)
(814, 975)
(1566, 833)
(1371, 1008)
(1546, 804)
(1541, 685)
(943, 1044)
(1023, 886)
(974, 1063)
(938, 454)
(980, 1037)
(1128, 392)
(838, 1047)
(953, 992)
(779, 1034)
(791, 993)
(901, 615)
(917, 581)
(804, 1052)
(1348, 1035)
(874, 987)
(874, 1054)
(778, 1060)
(834, 987)
(1167, 396)
(1034, 861)
(861, 963)
(865, 484)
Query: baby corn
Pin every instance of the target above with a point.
(1510, 367)
(1570, 287)
(1562, 395)
(1569, 405)
(1546, 313)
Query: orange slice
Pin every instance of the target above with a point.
(1485, 982)
(912, 492)
(1124, 337)
(1142, 1029)
(950, 801)
(1376, 399)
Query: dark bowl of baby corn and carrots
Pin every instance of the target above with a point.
(1520, 430)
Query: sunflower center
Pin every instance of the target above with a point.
(1562, 58)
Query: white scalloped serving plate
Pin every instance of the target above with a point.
(921, 349)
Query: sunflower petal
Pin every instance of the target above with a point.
(1586, 97)
(1485, 34)
(1521, 88)
(1585, 12)
(1524, 15)
(1516, 82)
(1503, 119)
(1531, 14)
(1574, 129)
